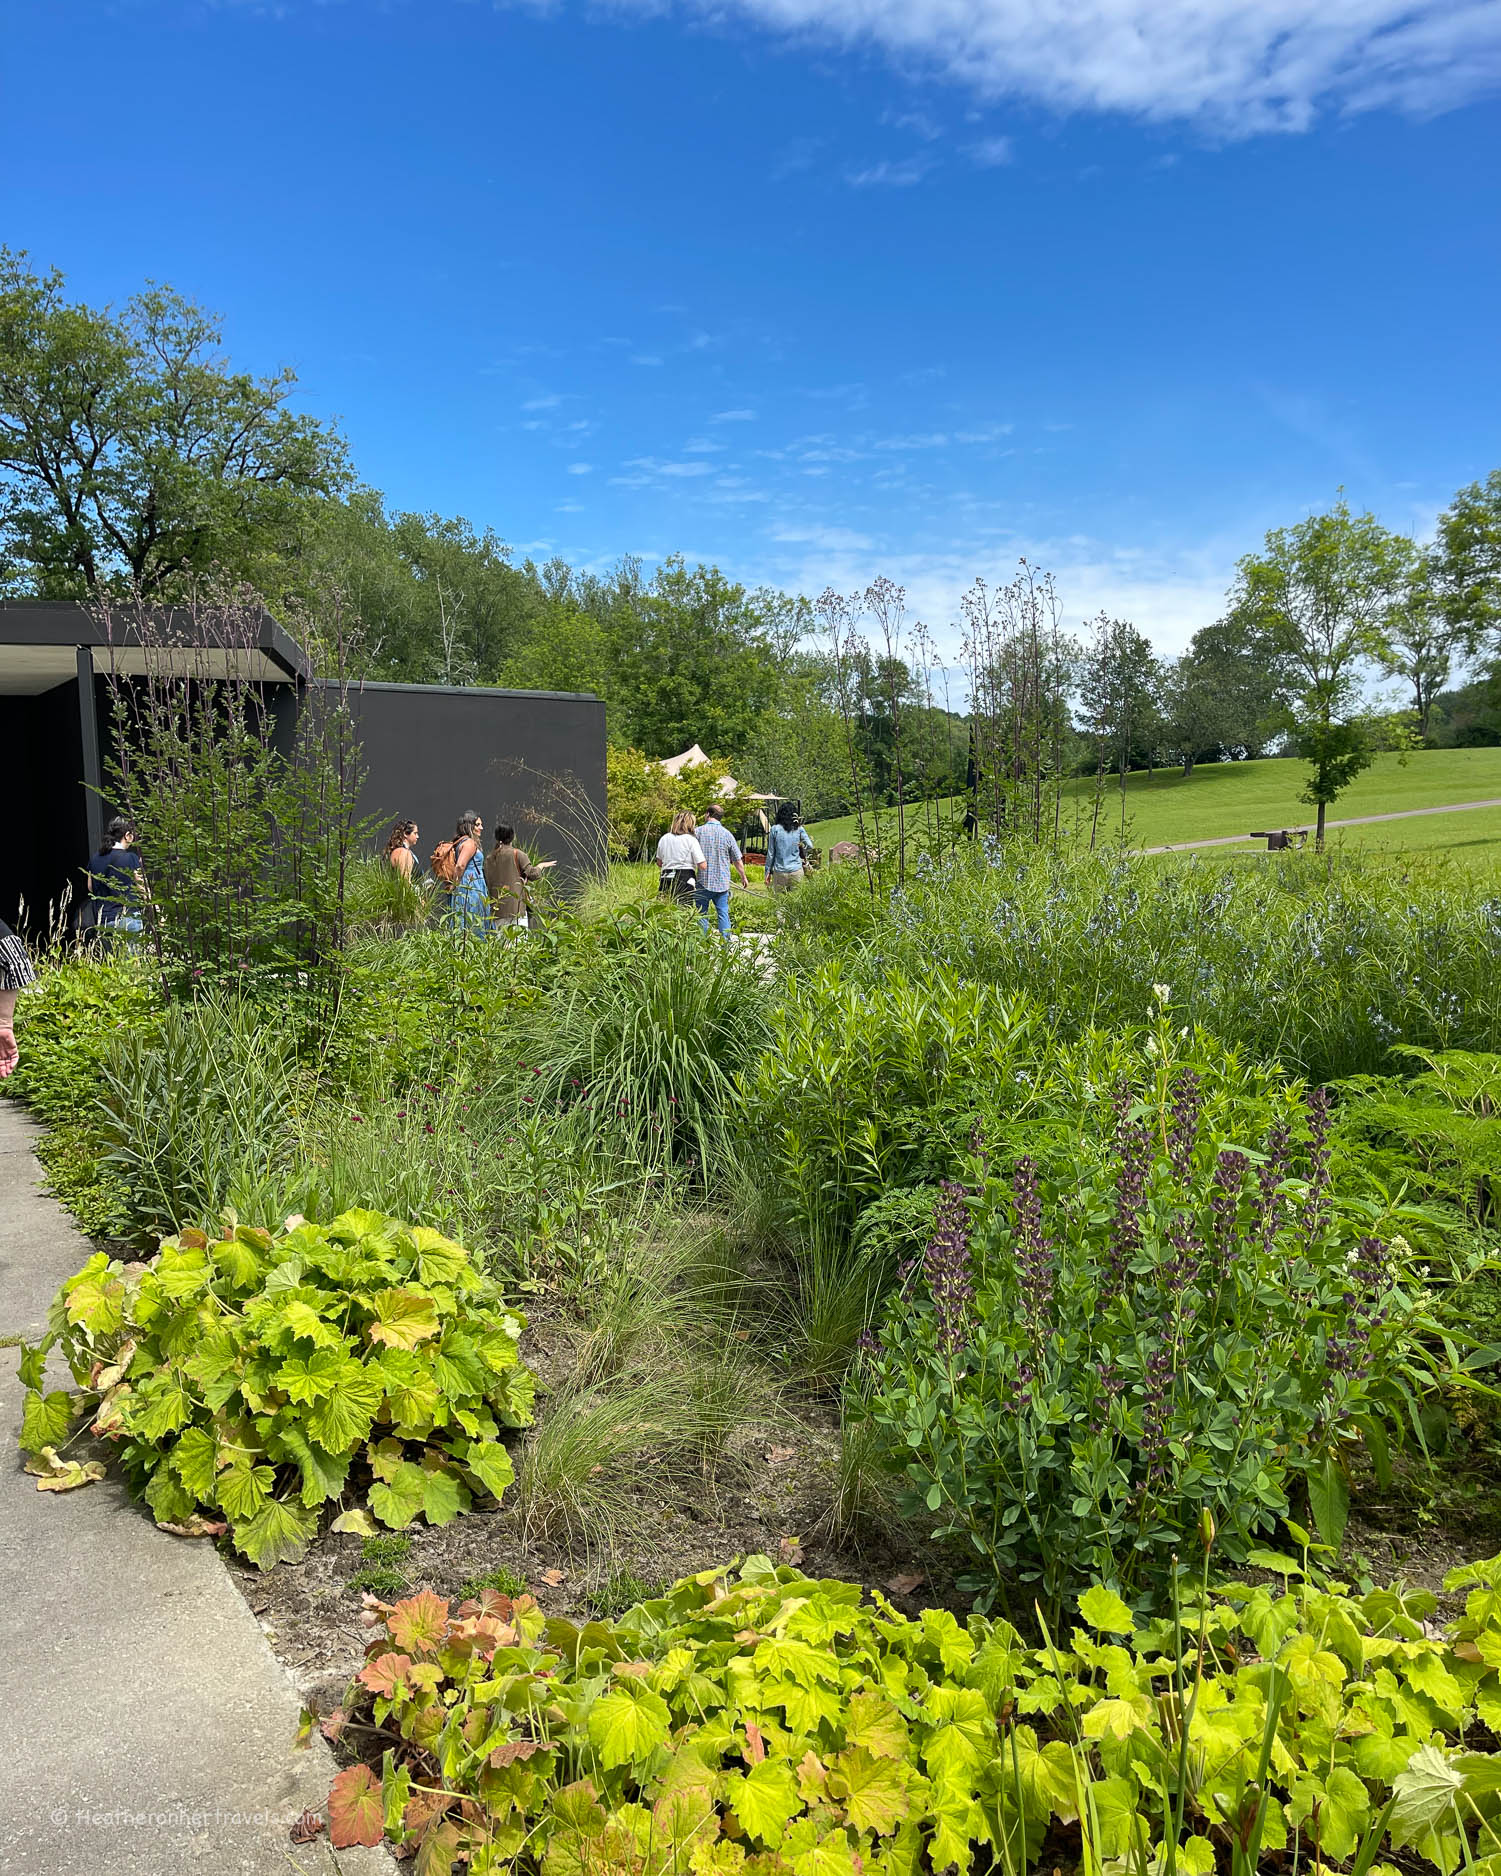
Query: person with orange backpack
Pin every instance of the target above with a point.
(459, 871)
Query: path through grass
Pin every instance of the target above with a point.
(1236, 797)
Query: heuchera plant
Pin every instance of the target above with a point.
(761, 1723)
(251, 1380)
(1085, 1362)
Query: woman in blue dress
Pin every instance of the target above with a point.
(468, 900)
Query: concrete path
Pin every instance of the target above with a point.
(147, 1725)
(1358, 820)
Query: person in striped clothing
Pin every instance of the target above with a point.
(15, 974)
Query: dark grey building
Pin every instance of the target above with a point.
(536, 758)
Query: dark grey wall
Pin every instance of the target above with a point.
(534, 758)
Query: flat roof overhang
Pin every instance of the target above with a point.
(40, 641)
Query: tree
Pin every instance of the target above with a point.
(1468, 556)
(1317, 595)
(1120, 694)
(695, 662)
(1221, 697)
(1419, 637)
(131, 456)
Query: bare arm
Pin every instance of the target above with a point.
(8, 1054)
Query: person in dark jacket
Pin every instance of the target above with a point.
(117, 885)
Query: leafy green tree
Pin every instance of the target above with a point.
(696, 661)
(1468, 558)
(1419, 637)
(131, 455)
(1317, 594)
(1120, 695)
(1221, 697)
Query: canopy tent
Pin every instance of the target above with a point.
(695, 758)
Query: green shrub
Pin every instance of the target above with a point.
(765, 1724)
(68, 1023)
(1327, 967)
(252, 1380)
(195, 1113)
(1440, 1129)
(1185, 1322)
(649, 1039)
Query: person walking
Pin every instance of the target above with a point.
(401, 851)
(786, 843)
(680, 858)
(507, 875)
(15, 974)
(721, 851)
(457, 865)
(117, 883)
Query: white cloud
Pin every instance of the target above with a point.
(990, 152)
(702, 446)
(1240, 66)
(550, 402)
(734, 416)
(654, 466)
(891, 175)
(918, 122)
(645, 358)
(581, 468)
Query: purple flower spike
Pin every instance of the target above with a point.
(947, 1268)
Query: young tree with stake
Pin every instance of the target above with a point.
(1318, 594)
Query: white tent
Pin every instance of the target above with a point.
(695, 758)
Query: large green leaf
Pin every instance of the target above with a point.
(443, 1492)
(1424, 1813)
(491, 1465)
(193, 1460)
(278, 1533)
(1101, 1608)
(874, 1790)
(403, 1318)
(324, 1475)
(243, 1488)
(343, 1418)
(45, 1419)
(628, 1724)
(396, 1501)
(765, 1799)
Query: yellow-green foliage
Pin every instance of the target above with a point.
(253, 1380)
(754, 1723)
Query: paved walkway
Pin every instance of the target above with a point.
(148, 1727)
(1358, 820)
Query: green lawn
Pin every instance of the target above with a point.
(1235, 797)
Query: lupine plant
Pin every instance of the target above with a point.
(1085, 1362)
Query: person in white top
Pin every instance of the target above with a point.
(681, 859)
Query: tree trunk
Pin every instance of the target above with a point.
(1318, 839)
(1188, 766)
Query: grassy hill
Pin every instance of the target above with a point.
(1222, 798)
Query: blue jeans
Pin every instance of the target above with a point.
(720, 901)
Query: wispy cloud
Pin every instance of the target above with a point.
(918, 122)
(645, 358)
(888, 174)
(1240, 66)
(990, 152)
(650, 466)
(581, 468)
(548, 402)
(733, 416)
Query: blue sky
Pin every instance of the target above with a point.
(817, 289)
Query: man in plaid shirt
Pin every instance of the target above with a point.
(722, 851)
